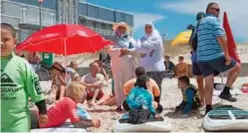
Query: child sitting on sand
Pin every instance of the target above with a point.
(140, 98)
(59, 84)
(66, 108)
(191, 99)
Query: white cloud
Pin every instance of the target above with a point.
(140, 19)
(236, 10)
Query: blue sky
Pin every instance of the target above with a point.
(172, 16)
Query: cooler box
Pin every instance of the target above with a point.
(47, 59)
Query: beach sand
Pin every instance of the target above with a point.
(171, 97)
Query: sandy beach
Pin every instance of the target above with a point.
(171, 96)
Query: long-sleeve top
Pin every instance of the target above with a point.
(153, 50)
(139, 97)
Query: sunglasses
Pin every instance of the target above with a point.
(148, 27)
(216, 9)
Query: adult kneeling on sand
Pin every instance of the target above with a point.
(66, 108)
(152, 88)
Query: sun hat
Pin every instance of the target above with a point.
(116, 25)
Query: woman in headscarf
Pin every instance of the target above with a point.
(123, 66)
(151, 50)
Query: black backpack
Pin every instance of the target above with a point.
(193, 39)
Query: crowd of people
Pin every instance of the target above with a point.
(136, 67)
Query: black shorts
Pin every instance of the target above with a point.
(197, 71)
(210, 67)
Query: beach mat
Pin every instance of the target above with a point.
(153, 125)
(226, 118)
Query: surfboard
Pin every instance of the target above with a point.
(153, 125)
(226, 118)
(59, 129)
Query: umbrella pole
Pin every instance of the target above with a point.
(65, 53)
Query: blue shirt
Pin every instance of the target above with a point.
(139, 97)
(208, 47)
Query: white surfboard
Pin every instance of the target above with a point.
(226, 118)
(153, 126)
(59, 129)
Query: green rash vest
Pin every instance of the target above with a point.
(18, 83)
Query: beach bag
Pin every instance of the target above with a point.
(193, 42)
(138, 116)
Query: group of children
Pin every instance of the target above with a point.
(19, 82)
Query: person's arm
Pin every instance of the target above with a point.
(62, 79)
(127, 87)
(220, 36)
(150, 106)
(33, 88)
(190, 96)
(131, 100)
(186, 69)
(98, 83)
(105, 74)
(75, 119)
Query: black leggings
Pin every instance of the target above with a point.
(127, 108)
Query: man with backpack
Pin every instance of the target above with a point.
(212, 54)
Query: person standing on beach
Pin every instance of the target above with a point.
(212, 55)
(151, 51)
(18, 83)
(123, 66)
(195, 68)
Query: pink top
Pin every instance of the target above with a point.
(65, 109)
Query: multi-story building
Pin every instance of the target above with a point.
(101, 19)
(24, 15)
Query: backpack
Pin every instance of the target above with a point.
(193, 41)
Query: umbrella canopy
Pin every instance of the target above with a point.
(182, 38)
(231, 45)
(65, 39)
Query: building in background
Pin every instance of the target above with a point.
(24, 15)
(101, 19)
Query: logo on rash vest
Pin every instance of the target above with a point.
(8, 86)
(6, 81)
(37, 86)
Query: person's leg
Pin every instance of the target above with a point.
(125, 106)
(158, 107)
(110, 102)
(96, 93)
(103, 99)
(209, 86)
(234, 69)
(158, 78)
(200, 84)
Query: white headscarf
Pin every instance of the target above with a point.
(154, 34)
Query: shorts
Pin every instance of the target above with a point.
(91, 94)
(197, 71)
(210, 67)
